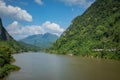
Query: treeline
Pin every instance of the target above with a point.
(5, 61)
(7, 48)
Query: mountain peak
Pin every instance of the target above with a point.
(4, 35)
(41, 40)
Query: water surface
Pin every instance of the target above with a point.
(42, 66)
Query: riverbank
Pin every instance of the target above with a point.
(6, 61)
(7, 69)
(44, 66)
(114, 55)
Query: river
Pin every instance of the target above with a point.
(43, 66)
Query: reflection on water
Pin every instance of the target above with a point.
(41, 66)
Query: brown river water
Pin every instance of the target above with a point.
(43, 66)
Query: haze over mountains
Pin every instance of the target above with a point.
(41, 40)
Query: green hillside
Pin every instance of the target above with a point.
(96, 33)
(9, 46)
(42, 41)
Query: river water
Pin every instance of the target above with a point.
(43, 66)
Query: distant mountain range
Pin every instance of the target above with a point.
(41, 40)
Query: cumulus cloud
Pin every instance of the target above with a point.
(13, 28)
(16, 12)
(18, 31)
(39, 2)
(52, 27)
(85, 3)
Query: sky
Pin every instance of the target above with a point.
(23, 18)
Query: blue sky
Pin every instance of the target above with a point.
(22, 18)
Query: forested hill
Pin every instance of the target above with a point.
(7, 46)
(41, 40)
(96, 31)
(8, 43)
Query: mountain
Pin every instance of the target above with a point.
(95, 33)
(41, 40)
(8, 46)
(3, 33)
(6, 41)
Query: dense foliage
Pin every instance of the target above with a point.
(95, 33)
(5, 60)
(9, 46)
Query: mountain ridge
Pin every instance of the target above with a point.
(41, 40)
(97, 28)
(8, 46)
(4, 35)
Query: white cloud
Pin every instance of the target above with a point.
(19, 32)
(52, 27)
(13, 28)
(16, 12)
(85, 3)
(39, 2)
